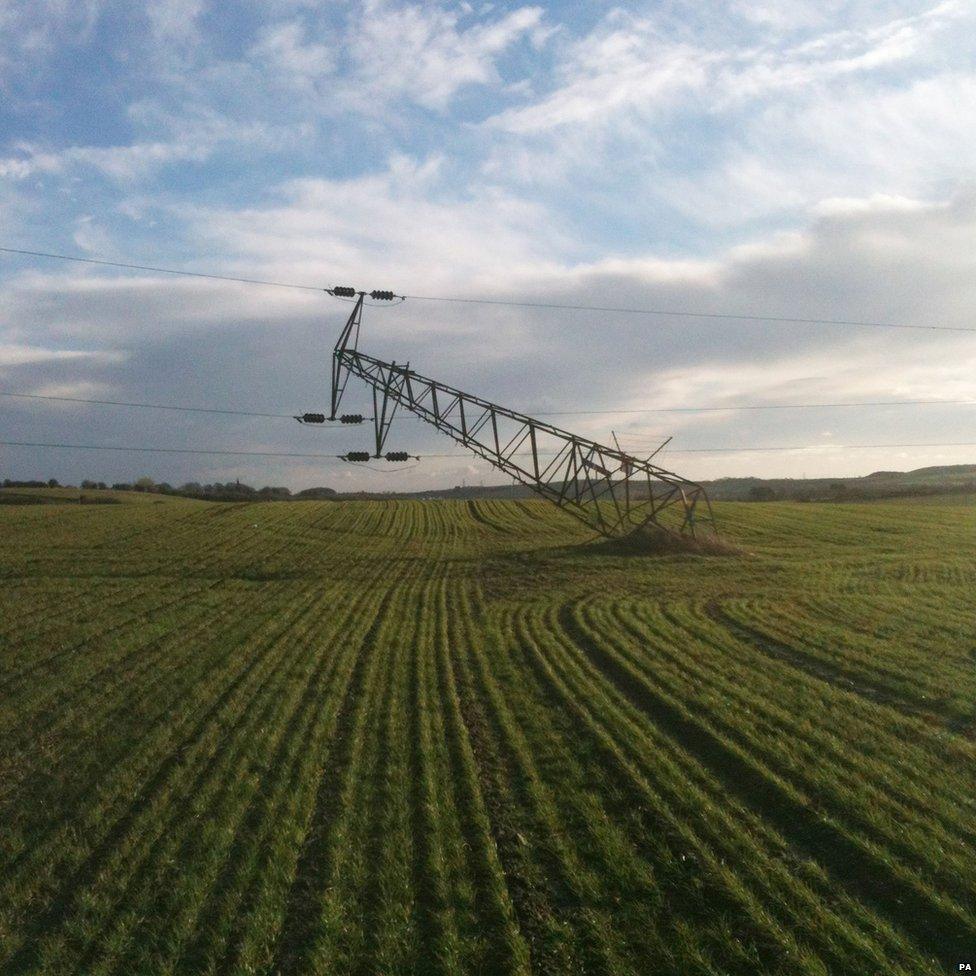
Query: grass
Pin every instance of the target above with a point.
(464, 737)
(85, 496)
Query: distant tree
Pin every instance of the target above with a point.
(762, 493)
(317, 493)
(89, 485)
(102, 485)
(53, 483)
(165, 487)
(121, 486)
(192, 488)
(144, 483)
(270, 491)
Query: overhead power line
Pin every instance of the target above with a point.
(341, 457)
(168, 450)
(749, 450)
(534, 413)
(685, 313)
(755, 406)
(513, 303)
(148, 406)
(146, 267)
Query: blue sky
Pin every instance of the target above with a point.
(793, 158)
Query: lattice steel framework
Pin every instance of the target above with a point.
(609, 490)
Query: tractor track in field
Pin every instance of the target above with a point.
(312, 871)
(448, 738)
(935, 931)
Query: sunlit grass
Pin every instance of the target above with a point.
(465, 737)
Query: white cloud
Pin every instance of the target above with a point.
(90, 236)
(623, 64)
(18, 354)
(627, 63)
(32, 33)
(402, 223)
(422, 53)
(193, 138)
(913, 141)
(83, 388)
(174, 20)
(290, 58)
(15, 169)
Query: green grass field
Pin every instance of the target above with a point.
(380, 738)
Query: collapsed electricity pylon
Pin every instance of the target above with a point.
(609, 490)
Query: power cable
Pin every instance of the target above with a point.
(755, 406)
(168, 450)
(170, 271)
(511, 303)
(149, 406)
(740, 450)
(684, 313)
(296, 454)
(534, 413)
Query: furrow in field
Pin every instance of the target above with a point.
(845, 673)
(906, 677)
(935, 925)
(144, 669)
(316, 926)
(90, 667)
(62, 849)
(715, 859)
(38, 605)
(133, 834)
(918, 743)
(493, 929)
(552, 887)
(893, 788)
(137, 605)
(250, 875)
(436, 946)
(229, 806)
(290, 902)
(381, 898)
(654, 889)
(159, 879)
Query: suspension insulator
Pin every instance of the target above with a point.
(343, 291)
(397, 456)
(383, 296)
(357, 456)
(312, 418)
(351, 418)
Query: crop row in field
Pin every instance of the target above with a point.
(458, 738)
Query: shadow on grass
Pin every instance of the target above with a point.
(653, 541)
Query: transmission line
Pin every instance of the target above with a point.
(168, 450)
(147, 406)
(511, 303)
(535, 413)
(146, 267)
(684, 313)
(743, 450)
(342, 457)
